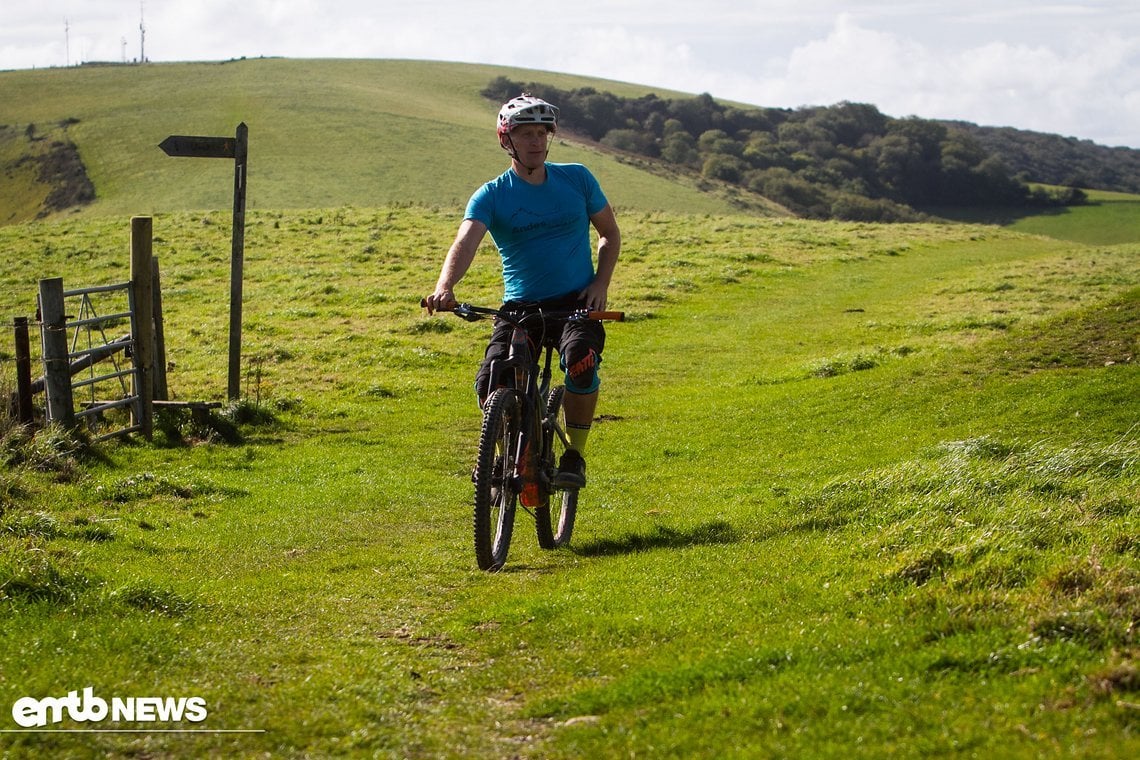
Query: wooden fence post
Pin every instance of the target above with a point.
(142, 329)
(23, 371)
(237, 260)
(161, 388)
(57, 366)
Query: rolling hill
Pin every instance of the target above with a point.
(322, 133)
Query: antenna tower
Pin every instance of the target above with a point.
(142, 35)
(67, 42)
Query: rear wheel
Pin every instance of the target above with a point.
(554, 520)
(495, 487)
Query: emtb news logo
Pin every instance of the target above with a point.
(30, 712)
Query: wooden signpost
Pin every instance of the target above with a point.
(236, 148)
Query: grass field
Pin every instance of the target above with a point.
(855, 491)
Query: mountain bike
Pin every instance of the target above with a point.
(522, 438)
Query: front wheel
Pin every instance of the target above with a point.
(554, 520)
(495, 487)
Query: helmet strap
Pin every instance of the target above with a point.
(514, 153)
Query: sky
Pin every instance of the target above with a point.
(1069, 68)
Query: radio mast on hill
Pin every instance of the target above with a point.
(142, 35)
(66, 42)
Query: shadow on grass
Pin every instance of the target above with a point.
(999, 215)
(661, 537)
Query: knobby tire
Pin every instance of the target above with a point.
(495, 490)
(554, 519)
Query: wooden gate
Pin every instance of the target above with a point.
(64, 358)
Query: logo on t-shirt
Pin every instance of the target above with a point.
(525, 221)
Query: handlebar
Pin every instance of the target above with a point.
(474, 313)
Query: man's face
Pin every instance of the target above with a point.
(531, 142)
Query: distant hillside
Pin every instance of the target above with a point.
(1057, 160)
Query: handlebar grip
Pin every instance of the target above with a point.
(423, 305)
(616, 316)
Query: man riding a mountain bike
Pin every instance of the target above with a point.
(539, 214)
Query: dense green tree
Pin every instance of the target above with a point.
(717, 141)
(680, 148)
(632, 141)
(724, 167)
(762, 151)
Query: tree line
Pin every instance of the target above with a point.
(1058, 160)
(846, 161)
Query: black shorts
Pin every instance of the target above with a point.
(579, 343)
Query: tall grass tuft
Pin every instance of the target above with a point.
(149, 598)
(52, 449)
(29, 574)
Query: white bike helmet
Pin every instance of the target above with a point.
(526, 109)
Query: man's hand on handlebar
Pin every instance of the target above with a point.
(595, 296)
(443, 299)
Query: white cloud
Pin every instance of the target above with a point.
(1083, 88)
(606, 51)
(1066, 67)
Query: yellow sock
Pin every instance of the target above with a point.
(577, 436)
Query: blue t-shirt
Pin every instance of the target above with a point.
(542, 231)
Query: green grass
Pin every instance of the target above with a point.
(1107, 219)
(929, 548)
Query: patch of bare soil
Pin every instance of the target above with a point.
(63, 169)
(52, 161)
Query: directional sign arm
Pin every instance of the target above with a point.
(199, 147)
